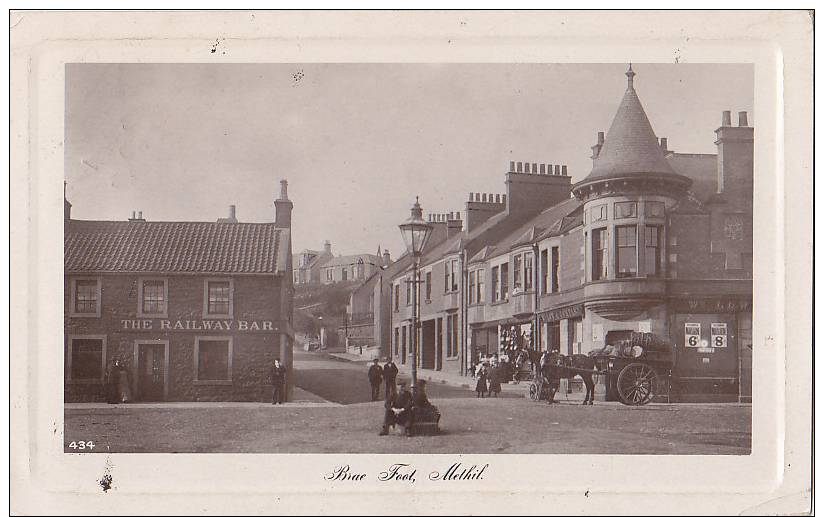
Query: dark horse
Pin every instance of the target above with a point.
(555, 367)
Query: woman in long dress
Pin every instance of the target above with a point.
(123, 386)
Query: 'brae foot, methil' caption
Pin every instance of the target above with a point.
(406, 472)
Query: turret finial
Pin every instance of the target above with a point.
(630, 74)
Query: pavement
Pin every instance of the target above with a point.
(332, 412)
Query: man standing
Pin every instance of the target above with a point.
(390, 372)
(375, 378)
(278, 377)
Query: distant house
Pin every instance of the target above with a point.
(307, 264)
(351, 268)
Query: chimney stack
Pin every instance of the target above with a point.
(726, 119)
(283, 208)
(67, 207)
(454, 225)
(232, 210)
(735, 161)
(327, 247)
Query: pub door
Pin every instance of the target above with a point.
(151, 371)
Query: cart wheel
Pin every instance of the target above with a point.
(533, 392)
(636, 383)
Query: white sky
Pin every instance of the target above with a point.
(357, 142)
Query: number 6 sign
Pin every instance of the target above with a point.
(719, 335)
(692, 335)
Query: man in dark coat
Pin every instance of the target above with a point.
(390, 372)
(278, 378)
(398, 407)
(375, 378)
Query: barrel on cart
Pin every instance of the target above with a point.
(638, 366)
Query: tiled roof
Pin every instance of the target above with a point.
(175, 247)
(553, 217)
(630, 147)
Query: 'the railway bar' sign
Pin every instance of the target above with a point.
(199, 325)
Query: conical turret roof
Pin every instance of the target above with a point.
(630, 147)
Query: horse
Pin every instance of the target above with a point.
(555, 366)
(532, 356)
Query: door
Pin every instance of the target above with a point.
(428, 345)
(439, 344)
(151, 368)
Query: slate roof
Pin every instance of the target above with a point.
(175, 247)
(630, 146)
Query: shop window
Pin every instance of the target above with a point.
(153, 297)
(626, 242)
(86, 297)
(218, 298)
(599, 254)
(86, 358)
(652, 250)
(213, 358)
(654, 209)
(626, 209)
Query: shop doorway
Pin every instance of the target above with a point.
(428, 344)
(152, 375)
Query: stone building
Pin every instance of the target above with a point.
(307, 264)
(651, 240)
(196, 311)
(352, 268)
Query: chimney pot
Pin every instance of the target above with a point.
(664, 143)
(483, 198)
(232, 210)
(534, 168)
(543, 168)
(557, 170)
(520, 166)
(600, 137)
(503, 198)
(563, 170)
(497, 198)
(511, 166)
(134, 214)
(726, 118)
(458, 216)
(283, 186)
(471, 196)
(140, 214)
(742, 119)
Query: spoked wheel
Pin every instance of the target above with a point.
(636, 383)
(533, 391)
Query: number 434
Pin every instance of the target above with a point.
(82, 445)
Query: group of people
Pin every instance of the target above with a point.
(401, 406)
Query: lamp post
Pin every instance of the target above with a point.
(415, 232)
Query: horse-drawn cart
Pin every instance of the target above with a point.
(637, 366)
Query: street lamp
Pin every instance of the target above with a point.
(415, 232)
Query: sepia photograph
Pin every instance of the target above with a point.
(536, 258)
(467, 262)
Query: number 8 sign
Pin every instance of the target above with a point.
(719, 335)
(692, 335)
